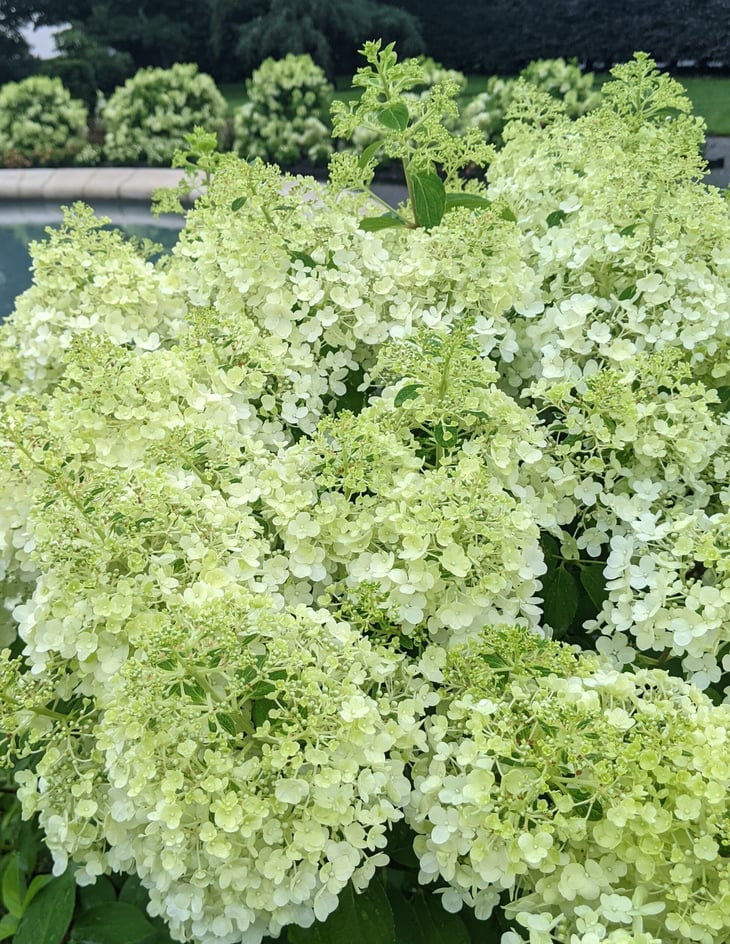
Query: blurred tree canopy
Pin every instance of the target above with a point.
(502, 36)
(227, 38)
(15, 58)
(230, 38)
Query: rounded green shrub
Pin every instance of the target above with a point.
(147, 117)
(41, 125)
(560, 79)
(284, 119)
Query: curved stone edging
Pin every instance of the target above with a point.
(85, 183)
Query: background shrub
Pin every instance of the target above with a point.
(563, 80)
(284, 119)
(42, 125)
(146, 118)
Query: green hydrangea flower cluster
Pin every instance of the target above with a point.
(285, 117)
(41, 125)
(562, 80)
(146, 119)
(285, 517)
(578, 790)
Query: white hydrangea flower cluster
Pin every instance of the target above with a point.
(86, 278)
(245, 762)
(325, 293)
(145, 119)
(256, 496)
(641, 460)
(632, 250)
(596, 799)
(41, 125)
(285, 117)
(428, 552)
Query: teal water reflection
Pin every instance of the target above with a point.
(23, 222)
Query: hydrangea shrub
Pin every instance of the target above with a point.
(285, 117)
(41, 125)
(146, 119)
(344, 539)
(562, 80)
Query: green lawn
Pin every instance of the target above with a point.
(710, 97)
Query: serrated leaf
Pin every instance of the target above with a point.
(429, 198)
(114, 923)
(409, 392)
(627, 293)
(555, 218)
(370, 151)
(394, 117)
(48, 916)
(594, 583)
(361, 919)
(560, 598)
(371, 224)
(238, 203)
(470, 200)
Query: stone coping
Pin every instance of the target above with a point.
(85, 183)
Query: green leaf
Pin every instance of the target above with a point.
(628, 230)
(394, 117)
(400, 845)
(134, 893)
(445, 436)
(38, 882)
(439, 926)
(493, 660)
(555, 218)
(8, 926)
(48, 916)
(560, 598)
(724, 395)
(226, 722)
(238, 203)
(429, 198)
(507, 214)
(13, 886)
(408, 927)
(627, 293)
(409, 392)
(360, 919)
(371, 224)
(100, 893)
(471, 200)
(594, 583)
(302, 257)
(370, 151)
(113, 923)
